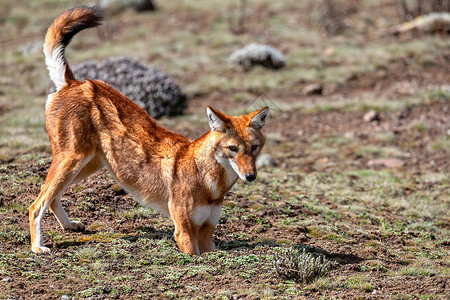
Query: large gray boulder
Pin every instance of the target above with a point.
(152, 89)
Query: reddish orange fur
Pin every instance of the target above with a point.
(91, 125)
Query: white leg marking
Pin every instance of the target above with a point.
(200, 214)
(61, 214)
(63, 219)
(215, 214)
(39, 241)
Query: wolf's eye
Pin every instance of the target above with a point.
(254, 147)
(232, 148)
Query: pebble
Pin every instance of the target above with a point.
(370, 116)
(313, 89)
(386, 162)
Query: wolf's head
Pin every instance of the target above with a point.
(240, 140)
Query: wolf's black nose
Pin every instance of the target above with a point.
(250, 177)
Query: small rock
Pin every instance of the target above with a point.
(371, 115)
(265, 160)
(330, 51)
(386, 162)
(257, 54)
(65, 297)
(435, 22)
(116, 6)
(7, 279)
(349, 135)
(313, 89)
(144, 5)
(322, 160)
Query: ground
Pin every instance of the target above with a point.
(385, 229)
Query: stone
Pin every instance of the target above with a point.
(392, 163)
(313, 89)
(116, 6)
(370, 116)
(149, 87)
(257, 54)
(265, 160)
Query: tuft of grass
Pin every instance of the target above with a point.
(15, 236)
(419, 126)
(373, 266)
(441, 143)
(87, 253)
(438, 94)
(416, 271)
(139, 212)
(292, 264)
(359, 282)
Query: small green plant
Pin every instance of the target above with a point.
(87, 253)
(419, 126)
(359, 282)
(300, 266)
(15, 236)
(417, 271)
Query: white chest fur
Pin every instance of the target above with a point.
(206, 213)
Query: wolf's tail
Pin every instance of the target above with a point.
(58, 37)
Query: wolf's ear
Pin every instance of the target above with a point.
(258, 118)
(217, 120)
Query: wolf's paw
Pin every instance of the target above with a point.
(40, 249)
(75, 226)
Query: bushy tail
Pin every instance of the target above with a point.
(58, 37)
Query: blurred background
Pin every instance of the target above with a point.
(339, 55)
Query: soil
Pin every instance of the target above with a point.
(293, 126)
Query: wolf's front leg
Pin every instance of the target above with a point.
(186, 235)
(186, 231)
(205, 238)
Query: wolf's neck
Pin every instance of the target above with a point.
(218, 176)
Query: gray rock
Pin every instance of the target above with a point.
(120, 5)
(430, 23)
(393, 163)
(265, 160)
(313, 89)
(152, 89)
(370, 116)
(257, 54)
